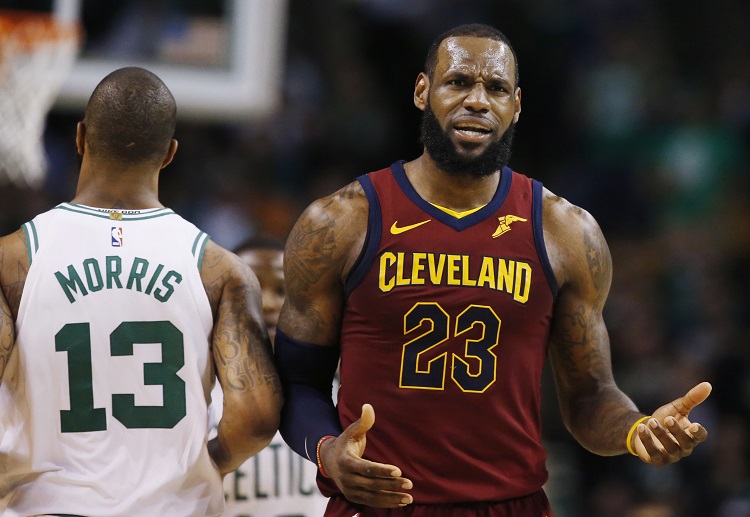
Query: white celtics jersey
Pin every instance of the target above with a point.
(103, 409)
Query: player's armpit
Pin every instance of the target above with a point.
(243, 359)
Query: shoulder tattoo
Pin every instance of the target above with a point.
(310, 252)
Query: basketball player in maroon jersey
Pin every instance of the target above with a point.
(443, 284)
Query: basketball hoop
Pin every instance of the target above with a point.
(37, 53)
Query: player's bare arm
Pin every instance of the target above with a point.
(14, 265)
(594, 409)
(7, 334)
(320, 251)
(243, 359)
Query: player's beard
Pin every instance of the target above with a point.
(444, 153)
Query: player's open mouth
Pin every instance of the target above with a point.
(474, 132)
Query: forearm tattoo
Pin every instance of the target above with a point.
(241, 349)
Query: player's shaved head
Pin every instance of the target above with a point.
(130, 117)
(474, 30)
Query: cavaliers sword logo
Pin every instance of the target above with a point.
(505, 222)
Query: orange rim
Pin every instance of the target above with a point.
(28, 28)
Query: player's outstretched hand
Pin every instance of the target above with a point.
(363, 482)
(668, 435)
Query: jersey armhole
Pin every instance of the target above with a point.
(372, 239)
(199, 248)
(32, 240)
(541, 249)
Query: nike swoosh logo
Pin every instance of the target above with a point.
(395, 230)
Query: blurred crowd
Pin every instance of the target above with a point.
(638, 111)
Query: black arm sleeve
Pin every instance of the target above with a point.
(306, 373)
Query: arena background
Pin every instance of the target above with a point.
(638, 111)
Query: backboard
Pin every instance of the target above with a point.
(222, 59)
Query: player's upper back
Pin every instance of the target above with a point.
(150, 252)
(112, 367)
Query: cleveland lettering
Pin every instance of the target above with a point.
(397, 269)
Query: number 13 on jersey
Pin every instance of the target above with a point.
(75, 339)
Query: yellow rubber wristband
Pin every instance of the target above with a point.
(630, 434)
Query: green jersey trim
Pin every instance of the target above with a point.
(124, 215)
(199, 247)
(32, 240)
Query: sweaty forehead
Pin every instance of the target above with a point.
(472, 54)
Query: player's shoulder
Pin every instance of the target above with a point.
(572, 237)
(13, 251)
(564, 216)
(219, 263)
(349, 201)
(221, 270)
(330, 233)
(336, 217)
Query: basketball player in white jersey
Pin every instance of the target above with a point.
(116, 316)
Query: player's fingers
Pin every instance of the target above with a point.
(698, 432)
(368, 416)
(364, 423)
(667, 442)
(687, 436)
(376, 498)
(378, 484)
(648, 442)
(381, 470)
(695, 396)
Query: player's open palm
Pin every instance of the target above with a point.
(364, 482)
(669, 435)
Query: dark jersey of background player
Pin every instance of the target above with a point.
(441, 283)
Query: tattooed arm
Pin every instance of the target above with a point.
(320, 252)
(14, 265)
(243, 359)
(7, 334)
(596, 412)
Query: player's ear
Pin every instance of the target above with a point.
(518, 105)
(81, 137)
(421, 91)
(170, 153)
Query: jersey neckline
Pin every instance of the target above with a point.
(503, 187)
(115, 213)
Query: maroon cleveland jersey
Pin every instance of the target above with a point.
(445, 333)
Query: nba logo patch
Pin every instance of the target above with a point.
(116, 234)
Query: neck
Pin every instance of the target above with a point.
(458, 193)
(105, 186)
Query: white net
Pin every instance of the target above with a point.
(36, 55)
